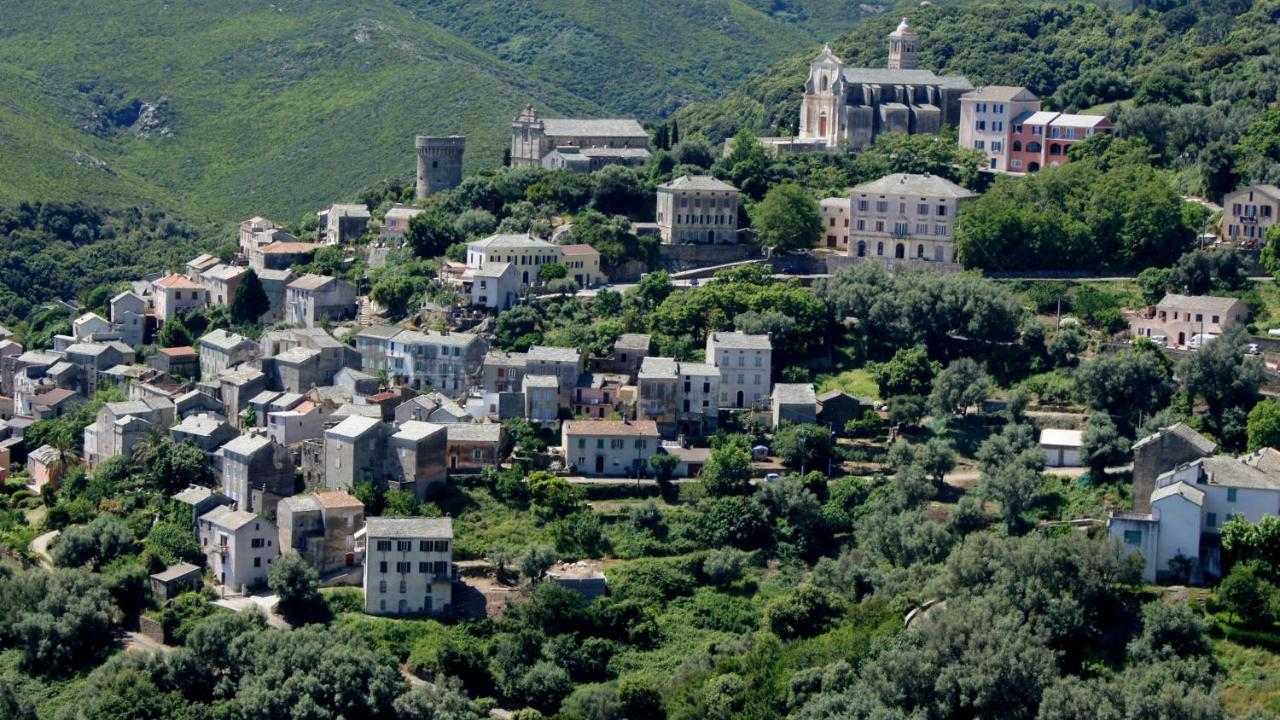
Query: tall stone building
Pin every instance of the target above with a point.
(847, 107)
(439, 163)
(534, 138)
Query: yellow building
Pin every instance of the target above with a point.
(527, 253)
(583, 263)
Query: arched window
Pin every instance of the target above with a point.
(1017, 146)
(824, 83)
(880, 248)
(920, 251)
(1055, 149)
(900, 252)
(862, 248)
(1033, 147)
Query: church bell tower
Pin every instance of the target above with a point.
(904, 44)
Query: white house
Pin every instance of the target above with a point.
(1189, 506)
(408, 566)
(609, 447)
(745, 363)
(240, 546)
(1061, 447)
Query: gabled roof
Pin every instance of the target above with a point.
(603, 127)
(654, 368)
(546, 353)
(520, 240)
(1000, 93)
(1183, 432)
(794, 394)
(1179, 488)
(741, 341)
(611, 428)
(223, 340)
(246, 445)
(474, 432)
(1057, 437)
(180, 282)
(353, 427)
(225, 517)
(578, 249)
(1197, 302)
(311, 281)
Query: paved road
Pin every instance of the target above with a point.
(40, 546)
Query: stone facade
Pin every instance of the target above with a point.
(534, 137)
(907, 218)
(1161, 452)
(439, 163)
(697, 209)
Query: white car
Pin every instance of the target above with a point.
(1197, 340)
(1253, 349)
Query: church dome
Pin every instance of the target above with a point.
(904, 28)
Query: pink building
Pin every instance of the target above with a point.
(1042, 139)
(173, 293)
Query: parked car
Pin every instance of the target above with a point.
(1197, 340)
(1253, 349)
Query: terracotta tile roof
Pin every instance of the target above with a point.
(638, 428)
(288, 247)
(581, 249)
(177, 281)
(183, 351)
(331, 499)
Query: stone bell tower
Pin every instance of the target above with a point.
(904, 44)
(439, 163)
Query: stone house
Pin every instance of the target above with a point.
(274, 284)
(91, 326)
(321, 527)
(221, 350)
(564, 363)
(628, 353)
(312, 299)
(176, 361)
(834, 213)
(44, 467)
(793, 403)
(416, 457)
(396, 222)
(1188, 507)
(345, 223)
(431, 407)
(280, 256)
(408, 567)
(1161, 452)
(473, 447)
(221, 282)
(256, 473)
(534, 137)
(503, 372)
(237, 387)
(113, 433)
(176, 579)
(207, 432)
(129, 317)
(443, 361)
(302, 422)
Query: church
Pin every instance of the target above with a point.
(847, 107)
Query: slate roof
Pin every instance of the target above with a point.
(910, 184)
(474, 432)
(611, 428)
(1197, 303)
(741, 341)
(999, 93)
(1186, 433)
(794, 394)
(385, 527)
(698, 182)
(602, 127)
(520, 240)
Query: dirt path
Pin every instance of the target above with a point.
(40, 546)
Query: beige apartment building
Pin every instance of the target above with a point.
(697, 209)
(1176, 319)
(745, 363)
(987, 117)
(1248, 212)
(527, 253)
(906, 218)
(835, 223)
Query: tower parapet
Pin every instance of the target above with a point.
(439, 163)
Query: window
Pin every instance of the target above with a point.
(402, 567)
(922, 209)
(382, 566)
(940, 230)
(424, 546)
(382, 587)
(257, 543)
(582, 443)
(616, 444)
(997, 125)
(1215, 318)
(404, 587)
(862, 205)
(879, 226)
(1212, 520)
(1199, 317)
(980, 125)
(1132, 537)
(642, 444)
(882, 206)
(404, 545)
(442, 546)
(1231, 494)
(257, 562)
(942, 211)
(600, 444)
(997, 146)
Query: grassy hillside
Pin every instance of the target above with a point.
(244, 106)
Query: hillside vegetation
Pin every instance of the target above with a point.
(245, 106)
(1073, 54)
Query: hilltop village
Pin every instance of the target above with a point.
(553, 432)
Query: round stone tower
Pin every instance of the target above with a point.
(439, 163)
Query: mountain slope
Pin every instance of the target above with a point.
(247, 106)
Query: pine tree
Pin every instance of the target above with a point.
(250, 300)
(675, 133)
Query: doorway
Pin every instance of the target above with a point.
(599, 464)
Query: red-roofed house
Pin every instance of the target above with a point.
(583, 262)
(173, 293)
(610, 447)
(281, 255)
